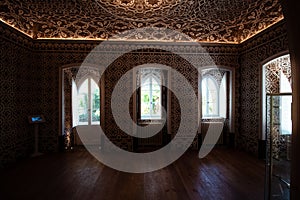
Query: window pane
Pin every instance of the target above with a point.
(204, 97)
(223, 97)
(95, 95)
(286, 114)
(150, 99)
(145, 98)
(212, 98)
(74, 104)
(83, 103)
(209, 98)
(156, 112)
(285, 86)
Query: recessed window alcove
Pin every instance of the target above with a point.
(81, 92)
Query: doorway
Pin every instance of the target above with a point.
(277, 125)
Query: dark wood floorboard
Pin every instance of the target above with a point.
(224, 174)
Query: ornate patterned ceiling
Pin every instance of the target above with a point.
(223, 21)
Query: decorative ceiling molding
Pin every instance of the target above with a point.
(213, 21)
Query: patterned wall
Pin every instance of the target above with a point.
(18, 91)
(253, 52)
(38, 64)
(67, 87)
(30, 85)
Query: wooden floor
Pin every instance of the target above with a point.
(223, 174)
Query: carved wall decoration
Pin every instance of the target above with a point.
(253, 52)
(67, 99)
(233, 22)
(273, 69)
(272, 78)
(217, 74)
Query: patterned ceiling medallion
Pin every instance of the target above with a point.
(139, 9)
(153, 3)
(126, 3)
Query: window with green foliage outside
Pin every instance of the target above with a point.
(150, 98)
(86, 105)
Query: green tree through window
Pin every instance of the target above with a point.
(86, 109)
(150, 98)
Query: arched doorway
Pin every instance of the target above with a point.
(277, 125)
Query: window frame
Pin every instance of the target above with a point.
(90, 121)
(150, 116)
(217, 103)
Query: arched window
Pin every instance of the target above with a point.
(150, 97)
(214, 90)
(86, 102)
(210, 97)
